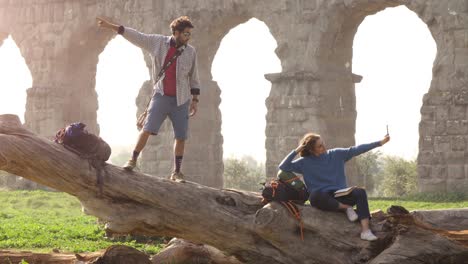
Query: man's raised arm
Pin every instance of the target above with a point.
(142, 40)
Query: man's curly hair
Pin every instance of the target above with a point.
(180, 24)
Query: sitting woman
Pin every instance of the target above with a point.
(324, 173)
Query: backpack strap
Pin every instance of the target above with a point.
(93, 162)
(163, 70)
(292, 208)
(274, 186)
(59, 136)
(99, 166)
(290, 180)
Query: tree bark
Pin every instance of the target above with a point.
(233, 221)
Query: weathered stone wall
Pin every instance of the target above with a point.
(443, 154)
(315, 91)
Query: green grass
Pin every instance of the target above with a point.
(422, 201)
(41, 221)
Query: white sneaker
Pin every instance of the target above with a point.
(177, 176)
(352, 216)
(367, 235)
(130, 165)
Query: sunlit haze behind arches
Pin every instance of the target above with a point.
(393, 50)
(15, 79)
(245, 55)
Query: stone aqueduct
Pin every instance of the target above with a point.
(61, 44)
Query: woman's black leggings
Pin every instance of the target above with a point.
(325, 201)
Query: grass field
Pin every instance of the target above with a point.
(41, 221)
(428, 201)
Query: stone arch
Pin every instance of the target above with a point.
(11, 180)
(442, 128)
(442, 166)
(243, 62)
(80, 72)
(314, 41)
(439, 163)
(395, 56)
(120, 73)
(202, 160)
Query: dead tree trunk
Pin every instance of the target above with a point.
(233, 221)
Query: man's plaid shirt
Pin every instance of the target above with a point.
(158, 46)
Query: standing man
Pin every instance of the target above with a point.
(176, 93)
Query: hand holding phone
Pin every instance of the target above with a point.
(386, 138)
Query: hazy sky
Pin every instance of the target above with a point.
(120, 73)
(393, 51)
(15, 78)
(239, 68)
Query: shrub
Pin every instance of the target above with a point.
(369, 166)
(399, 176)
(244, 174)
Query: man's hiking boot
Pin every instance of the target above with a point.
(177, 176)
(130, 165)
(367, 235)
(352, 216)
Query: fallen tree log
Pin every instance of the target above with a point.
(182, 251)
(233, 221)
(7, 256)
(117, 254)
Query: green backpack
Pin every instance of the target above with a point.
(291, 180)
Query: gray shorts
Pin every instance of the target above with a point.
(162, 106)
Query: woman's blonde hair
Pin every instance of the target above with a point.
(308, 141)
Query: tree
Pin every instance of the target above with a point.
(244, 174)
(369, 167)
(3, 178)
(399, 176)
(120, 158)
(13, 182)
(235, 222)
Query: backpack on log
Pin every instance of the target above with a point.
(83, 143)
(77, 139)
(289, 190)
(287, 187)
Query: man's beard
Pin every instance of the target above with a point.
(180, 42)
